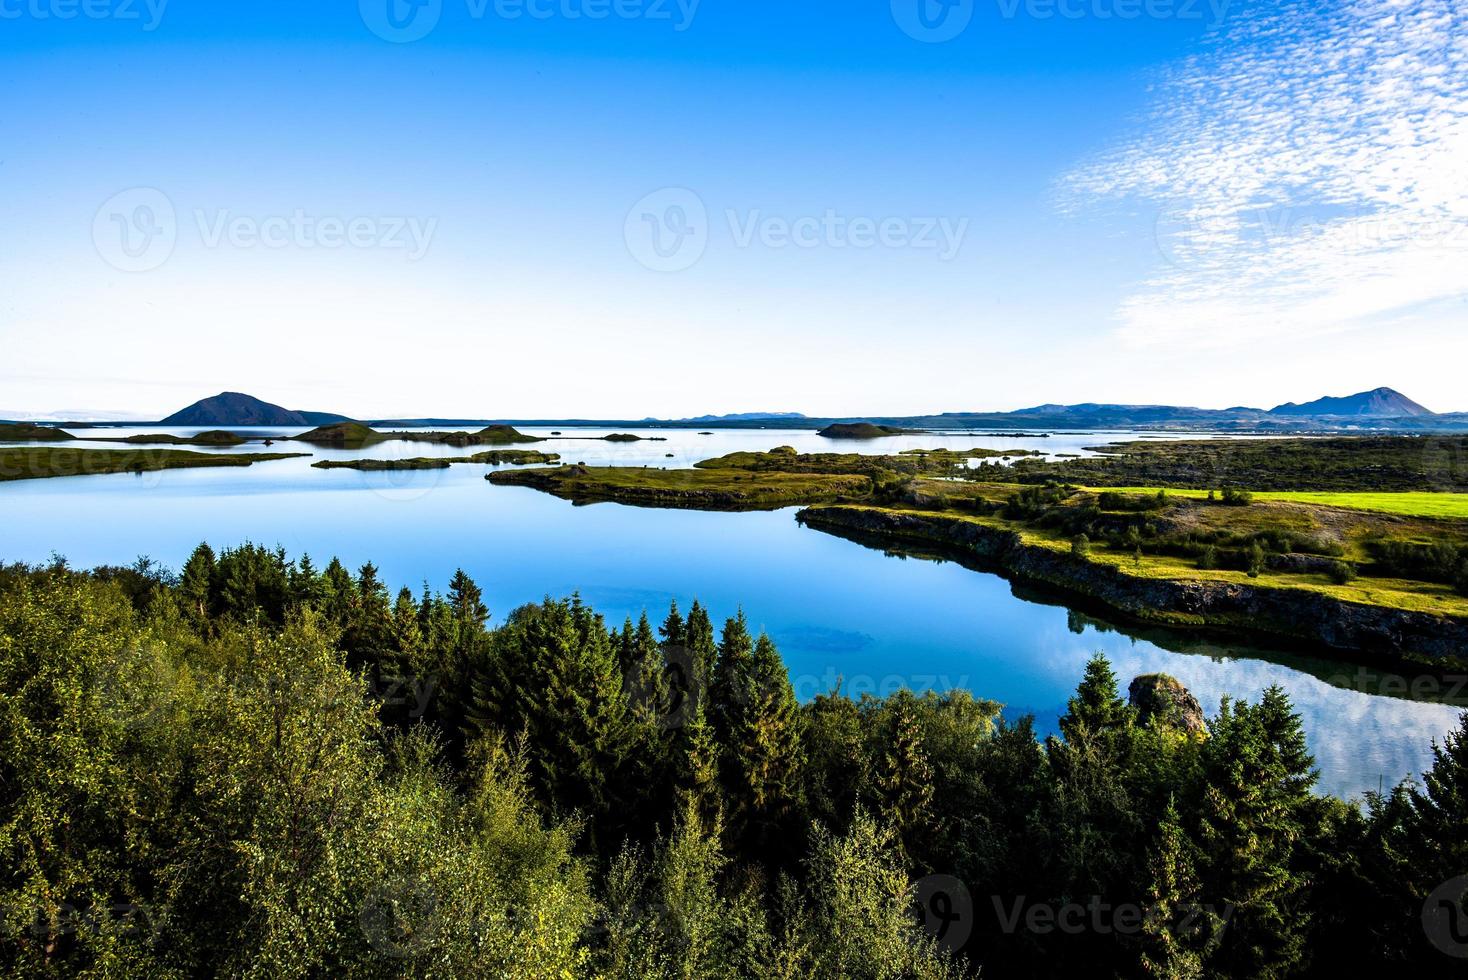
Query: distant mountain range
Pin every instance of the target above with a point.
(738, 417)
(1382, 409)
(234, 408)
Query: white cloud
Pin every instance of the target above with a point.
(1310, 170)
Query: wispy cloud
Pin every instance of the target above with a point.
(1308, 172)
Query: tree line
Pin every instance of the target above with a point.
(258, 768)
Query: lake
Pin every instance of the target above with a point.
(840, 612)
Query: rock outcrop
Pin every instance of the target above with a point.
(1162, 700)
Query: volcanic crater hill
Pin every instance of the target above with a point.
(231, 408)
(1377, 403)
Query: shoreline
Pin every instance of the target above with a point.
(1358, 630)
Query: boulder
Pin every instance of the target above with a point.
(1163, 700)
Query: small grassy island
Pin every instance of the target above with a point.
(355, 435)
(40, 462)
(214, 437)
(30, 432)
(862, 430)
(518, 457)
(725, 489)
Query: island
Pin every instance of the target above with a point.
(30, 432)
(862, 430)
(34, 463)
(355, 435)
(518, 457)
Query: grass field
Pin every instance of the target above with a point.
(1444, 505)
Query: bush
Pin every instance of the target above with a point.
(1237, 498)
(1256, 560)
(1208, 560)
(1080, 546)
(1342, 573)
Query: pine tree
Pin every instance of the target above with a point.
(340, 592)
(1177, 931)
(1097, 705)
(306, 589)
(467, 601)
(197, 582)
(673, 632)
(702, 653)
(905, 780)
(697, 769)
(647, 694)
(762, 761)
(1250, 823)
(1435, 842)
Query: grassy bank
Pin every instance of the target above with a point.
(34, 463)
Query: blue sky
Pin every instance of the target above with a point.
(636, 207)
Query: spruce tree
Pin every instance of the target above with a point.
(905, 780)
(1177, 930)
(1251, 821)
(196, 583)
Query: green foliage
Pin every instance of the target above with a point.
(207, 775)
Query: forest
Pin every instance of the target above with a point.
(259, 767)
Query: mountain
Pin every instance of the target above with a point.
(740, 417)
(1382, 403)
(234, 408)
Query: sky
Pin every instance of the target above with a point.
(632, 208)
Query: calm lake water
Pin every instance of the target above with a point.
(839, 612)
